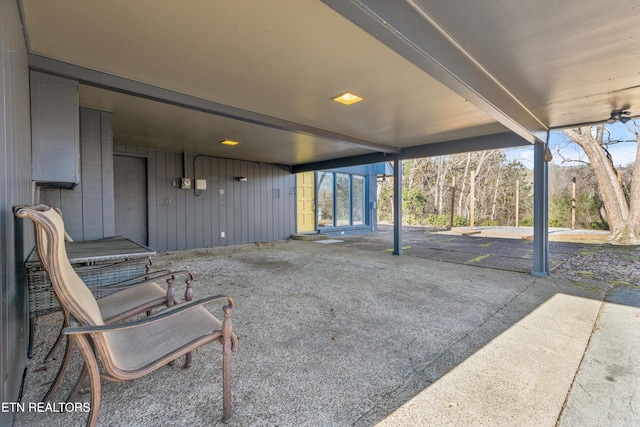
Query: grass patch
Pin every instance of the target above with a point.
(391, 250)
(586, 273)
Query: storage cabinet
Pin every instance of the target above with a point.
(55, 134)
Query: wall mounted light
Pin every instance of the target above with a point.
(621, 115)
(242, 179)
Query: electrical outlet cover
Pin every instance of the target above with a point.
(185, 183)
(201, 184)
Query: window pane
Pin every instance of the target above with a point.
(343, 201)
(358, 200)
(325, 199)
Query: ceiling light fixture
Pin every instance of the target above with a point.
(347, 98)
(621, 115)
(229, 142)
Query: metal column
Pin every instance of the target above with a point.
(397, 207)
(541, 267)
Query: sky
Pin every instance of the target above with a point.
(622, 153)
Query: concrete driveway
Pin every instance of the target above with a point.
(504, 248)
(336, 335)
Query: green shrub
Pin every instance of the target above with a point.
(527, 222)
(414, 203)
(598, 225)
(555, 222)
(460, 221)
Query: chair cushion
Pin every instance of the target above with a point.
(127, 299)
(135, 348)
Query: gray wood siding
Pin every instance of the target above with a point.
(88, 209)
(261, 209)
(16, 235)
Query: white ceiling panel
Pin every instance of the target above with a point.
(534, 65)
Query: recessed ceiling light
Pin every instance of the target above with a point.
(347, 98)
(229, 142)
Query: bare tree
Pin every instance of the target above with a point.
(623, 210)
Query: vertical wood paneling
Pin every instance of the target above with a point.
(271, 214)
(282, 197)
(108, 207)
(152, 200)
(180, 206)
(229, 203)
(251, 202)
(88, 209)
(239, 214)
(71, 205)
(258, 210)
(15, 189)
(201, 171)
(264, 217)
(222, 202)
(91, 176)
(214, 213)
(161, 223)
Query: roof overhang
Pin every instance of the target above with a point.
(436, 77)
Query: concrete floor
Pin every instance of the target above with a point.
(504, 248)
(338, 335)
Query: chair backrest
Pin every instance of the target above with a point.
(71, 291)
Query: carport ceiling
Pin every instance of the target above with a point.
(264, 72)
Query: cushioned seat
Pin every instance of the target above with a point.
(131, 349)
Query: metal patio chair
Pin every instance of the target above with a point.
(123, 299)
(133, 349)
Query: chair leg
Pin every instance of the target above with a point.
(227, 331)
(32, 328)
(76, 388)
(63, 368)
(65, 323)
(226, 381)
(94, 378)
(49, 355)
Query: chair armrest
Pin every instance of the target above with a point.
(171, 277)
(118, 264)
(80, 330)
(148, 277)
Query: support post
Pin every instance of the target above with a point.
(397, 211)
(541, 266)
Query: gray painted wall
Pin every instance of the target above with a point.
(88, 209)
(261, 209)
(15, 189)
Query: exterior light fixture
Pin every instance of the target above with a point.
(229, 142)
(347, 98)
(242, 179)
(621, 115)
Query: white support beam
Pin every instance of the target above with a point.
(408, 29)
